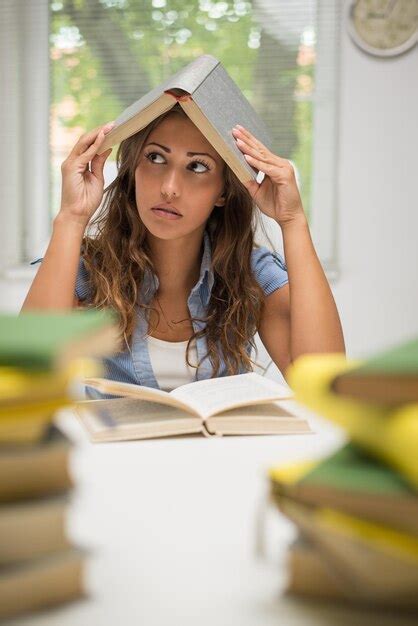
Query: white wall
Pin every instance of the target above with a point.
(377, 287)
(377, 292)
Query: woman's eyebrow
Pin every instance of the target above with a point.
(154, 143)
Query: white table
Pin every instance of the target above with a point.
(171, 525)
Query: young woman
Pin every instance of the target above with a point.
(172, 251)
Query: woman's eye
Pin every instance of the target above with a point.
(203, 167)
(196, 166)
(151, 156)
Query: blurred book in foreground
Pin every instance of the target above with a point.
(41, 582)
(351, 481)
(38, 565)
(356, 510)
(312, 575)
(386, 432)
(35, 470)
(50, 341)
(39, 365)
(363, 533)
(390, 377)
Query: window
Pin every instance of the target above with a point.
(104, 54)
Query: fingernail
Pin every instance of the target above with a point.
(108, 126)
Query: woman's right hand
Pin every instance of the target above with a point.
(82, 188)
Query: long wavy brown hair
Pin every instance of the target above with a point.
(116, 255)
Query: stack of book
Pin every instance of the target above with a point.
(356, 511)
(38, 363)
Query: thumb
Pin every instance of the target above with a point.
(97, 164)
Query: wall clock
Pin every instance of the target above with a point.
(383, 28)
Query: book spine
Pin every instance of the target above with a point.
(178, 97)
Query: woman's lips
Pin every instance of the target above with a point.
(165, 214)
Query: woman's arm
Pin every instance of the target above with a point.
(314, 321)
(54, 284)
(301, 318)
(82, 190)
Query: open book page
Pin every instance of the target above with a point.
(208, 397)
(128, 418)
(139, 392)
(270, 418)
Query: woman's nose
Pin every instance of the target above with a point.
(170, 186)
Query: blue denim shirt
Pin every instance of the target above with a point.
(134, 365)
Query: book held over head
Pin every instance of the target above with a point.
(211, 99)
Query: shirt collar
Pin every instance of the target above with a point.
(204, 283)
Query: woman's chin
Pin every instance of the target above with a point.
(164, 230)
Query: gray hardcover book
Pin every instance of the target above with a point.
(213, 102)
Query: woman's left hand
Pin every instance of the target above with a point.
(278, 194)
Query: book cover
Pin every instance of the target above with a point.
(42, 582)
(400, 359)
(211, 99)
(350, 481)
(311, 574)
(45, 341)
(386, 433)
(32, 528)
(35, 470)
(390, 377)
(376, 561)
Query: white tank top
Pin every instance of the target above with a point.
(168, 360)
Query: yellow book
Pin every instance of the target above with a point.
(34, 409)
(28, 400)
(388, 433)
(382, 537)
(19, 386)
(24, 431)
(27, 423)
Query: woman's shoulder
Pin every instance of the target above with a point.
(269, 269)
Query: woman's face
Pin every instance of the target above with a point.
(179, 170)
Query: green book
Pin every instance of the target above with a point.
(352, 482)
(213, 102)
(391, 377)
(47, 341)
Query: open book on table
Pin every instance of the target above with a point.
(244, 404)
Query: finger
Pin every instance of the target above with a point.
(254, 152)
(91, 152)
(263, 155)
(270, 159)
(245, 134)
(97, 164)
(262, 166)
(240, 135)
(88, 139)
(257, 149)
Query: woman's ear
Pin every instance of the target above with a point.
(220, 201)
